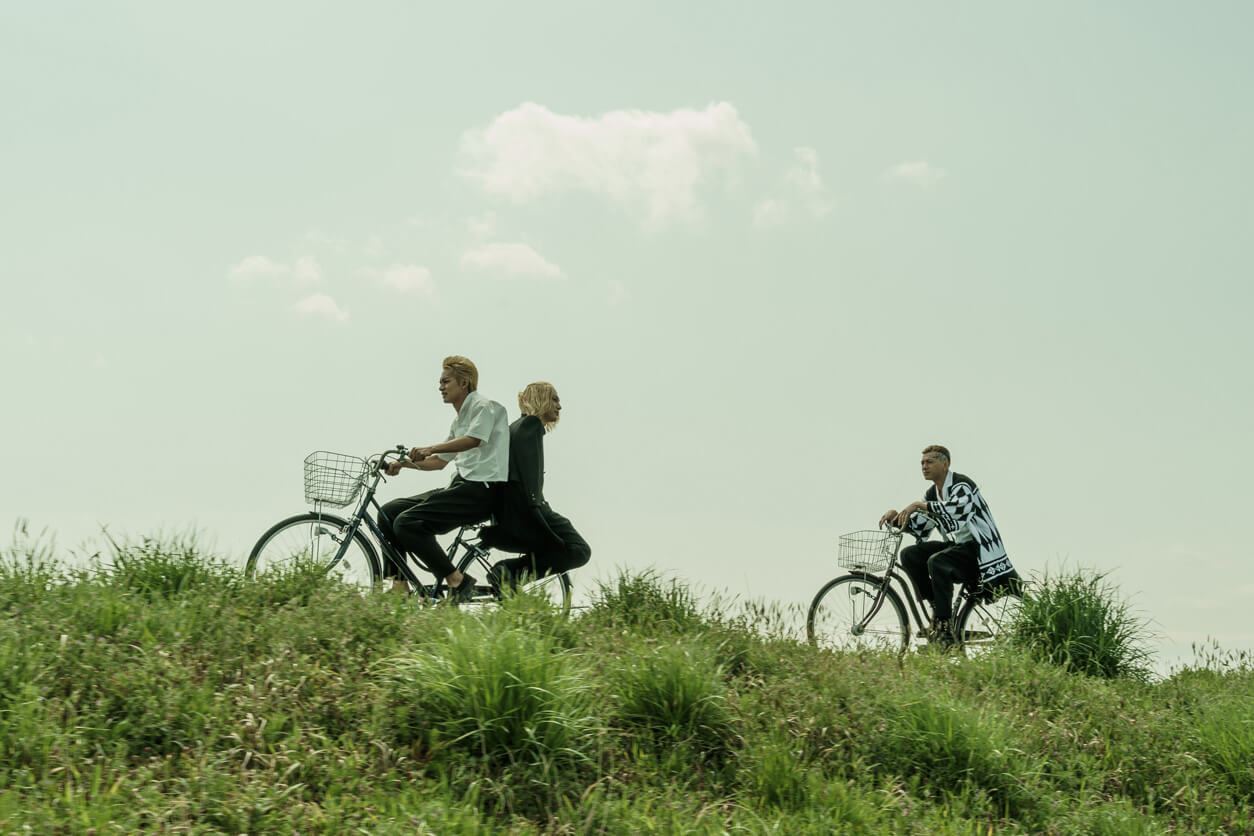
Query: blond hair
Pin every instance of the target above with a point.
(463, 371)
(537, 399)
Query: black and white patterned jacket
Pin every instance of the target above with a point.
(962, 513)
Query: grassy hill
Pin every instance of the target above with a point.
(164, 693)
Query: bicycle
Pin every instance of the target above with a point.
(863, 610)
(340, 544)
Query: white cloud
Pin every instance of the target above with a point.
(482, 227)
(917, 173)
(805, 191)
(511, 259)
(305, 270)
(770, 212)
(258, 267)
(408, 278)
(322, 306)
(649, 161)
(805, 179)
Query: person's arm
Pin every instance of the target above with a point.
(951, 513)
(454, 445)
(525, 444)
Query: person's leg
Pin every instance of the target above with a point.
(439, 512)
(576, 553)
(914, 562)
(951, 567)
(387, 518)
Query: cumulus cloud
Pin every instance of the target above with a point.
(305, 270)
(804, 192)
(650, 161)
(510, 259)
(321, 306)
(916, 173)
(408, 278)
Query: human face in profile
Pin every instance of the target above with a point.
(554, 411)
(935, 466)
(452, 390)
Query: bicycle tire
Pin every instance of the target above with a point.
(981, 624)
(556, 588)
(843, 602)
(285, 545)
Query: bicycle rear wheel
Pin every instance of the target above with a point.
(981, 624)
(554, 588)
(315, 538)
(843, 616)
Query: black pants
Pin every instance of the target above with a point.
(543, 561)
(412, 523)
(936, 567)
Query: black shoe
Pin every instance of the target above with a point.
(501, 578)
(940, 634)
(463, 592)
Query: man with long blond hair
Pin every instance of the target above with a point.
(524, 520)
(478, 446)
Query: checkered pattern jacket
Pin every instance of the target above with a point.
(962, 513)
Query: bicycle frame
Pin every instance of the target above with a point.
(890, 575)
(473, 550)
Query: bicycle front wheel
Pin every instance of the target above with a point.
(315, 539)
(844, 616)
(981, 624)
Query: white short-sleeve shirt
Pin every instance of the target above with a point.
(485, 420)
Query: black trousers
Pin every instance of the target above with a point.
(411, 524)
(544, 561)
(936, 567)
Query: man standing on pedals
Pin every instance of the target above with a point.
(478, 446)
(524, 520)
(976, 555)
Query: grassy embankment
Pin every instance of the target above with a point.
(164, 693)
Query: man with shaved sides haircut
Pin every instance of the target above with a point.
(975, 555)
(478, 447)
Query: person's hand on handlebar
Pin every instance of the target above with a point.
(904, 516)
(889, 518)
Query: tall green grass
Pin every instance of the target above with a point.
(1076, 619)
(156, 692)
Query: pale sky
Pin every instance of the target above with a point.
(766, 252)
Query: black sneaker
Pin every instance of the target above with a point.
(940, 634)
(463, 592)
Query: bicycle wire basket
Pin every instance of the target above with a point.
(333, 478)
(870, 551)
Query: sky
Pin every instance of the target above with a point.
(765, 252)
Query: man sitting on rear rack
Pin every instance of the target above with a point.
(974, 556)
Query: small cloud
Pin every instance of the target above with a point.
(804, 192)
(258, 267)
(769, 213)
(306, 270)
(320, 305)
(805, 179)
(482, 227)
(916, 173)
(511, 259)
(652, 162)
(408, 278)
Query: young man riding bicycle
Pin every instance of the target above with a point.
(976, 555)
(478, 446)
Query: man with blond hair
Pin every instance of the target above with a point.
(974, 555)
(478, 447)
(525, 522)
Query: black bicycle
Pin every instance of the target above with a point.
(874, 607)
(341, 546)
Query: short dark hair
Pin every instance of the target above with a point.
(936, 448)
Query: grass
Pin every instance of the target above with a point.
(158, 692)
